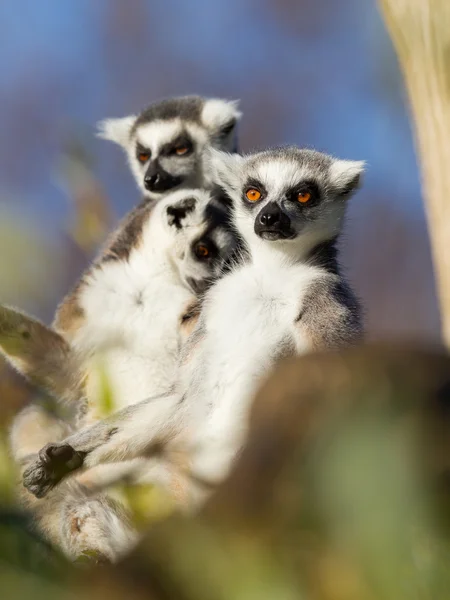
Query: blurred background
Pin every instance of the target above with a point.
(321, 74)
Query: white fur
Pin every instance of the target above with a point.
(277, 175)
(132, 310)
(155, 134)
(224, 168)
(116, 130)
(217, 113)
(342, 172)
(248, 315)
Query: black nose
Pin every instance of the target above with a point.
(151, 180)
(272, 223)
(158, 180)
(270, 217)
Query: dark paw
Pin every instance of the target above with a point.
(54, 462)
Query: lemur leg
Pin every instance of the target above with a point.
(129, 433)
(70, 518)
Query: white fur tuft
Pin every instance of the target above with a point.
(116, 130)
(344, 172)
(217, 113)
(224, 168)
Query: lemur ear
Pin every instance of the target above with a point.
(220, 116)
(116, 130)
(224, 169)
(346, 175)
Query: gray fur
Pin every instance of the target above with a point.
(331, 317)
(188, 108)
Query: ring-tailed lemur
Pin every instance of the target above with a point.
(128, 314)
(166, 142)
(127, 309)
(287, 298)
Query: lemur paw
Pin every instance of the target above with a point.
(54, 462)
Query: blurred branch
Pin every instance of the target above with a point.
(337, 495)
(420, 30)
(93, 216)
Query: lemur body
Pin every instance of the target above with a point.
(287, 298)
(165, 144)
(126, 316)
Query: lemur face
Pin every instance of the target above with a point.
(285, 194)
(202, 236)
(166, 142)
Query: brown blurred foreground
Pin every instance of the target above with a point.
(341, 493)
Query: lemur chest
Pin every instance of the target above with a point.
(252, 313)
(251, 320)
(131, 337)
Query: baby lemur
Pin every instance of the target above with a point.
(288, 297)
(166, 142)
(125, 319)
(128, 307)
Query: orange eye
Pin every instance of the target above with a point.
(304, 197)
(143, 157)
(253, 195)
(181, 150)
(202, 251)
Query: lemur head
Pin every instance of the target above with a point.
(287, 196)
(166, 141)
(202, 237)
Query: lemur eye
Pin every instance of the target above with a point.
(181, 150)
(143, 157)
(304, 197)
(253, 195)
(202, 251)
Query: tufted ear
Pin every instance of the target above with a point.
(224, 169)
(346, 175)
(220, 117)
(116, 130)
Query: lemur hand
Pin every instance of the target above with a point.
(52, 464)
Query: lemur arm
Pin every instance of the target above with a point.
(132, 432)
(330, 317)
